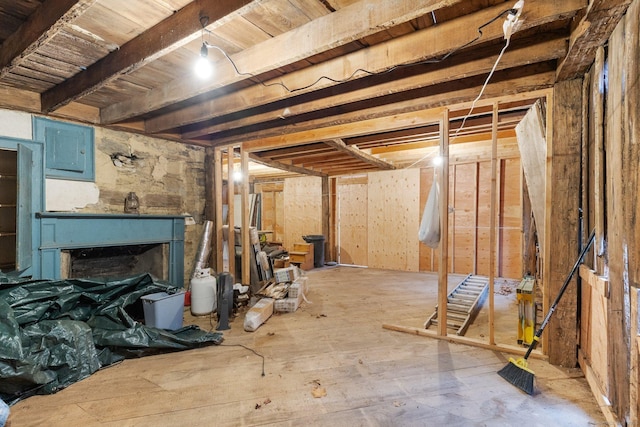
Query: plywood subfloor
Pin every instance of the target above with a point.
(372, 376)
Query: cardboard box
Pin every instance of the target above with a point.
(299, 286)
(258, 314)
(288, 305)
(288, 274)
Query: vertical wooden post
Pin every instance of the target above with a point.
(210, 199)
(599, 210)
(246, 244)
(231, 194)
(492, 222)
(332, 246)
(443, 277)
(476, 182)
(326, 212)
(563, 201)
(452, 223)
(219, 202)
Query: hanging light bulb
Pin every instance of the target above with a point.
(203, 66)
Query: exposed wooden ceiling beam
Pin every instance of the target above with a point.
(339, 145)
(336, 29)
(284, 167)
(429, 43)
(292, 151)
(47, 21)
(169, 34)
(421, 110)
(508, 133)
(594, 29)
(413, 113)
(526, 53)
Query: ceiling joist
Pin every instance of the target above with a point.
(284, 167)
(525, 53)
(343, 26)
(339, 145)
(427, 44)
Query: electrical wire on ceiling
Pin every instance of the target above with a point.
(508, 27)
(206, 45)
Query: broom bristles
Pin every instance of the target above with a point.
(517, 373)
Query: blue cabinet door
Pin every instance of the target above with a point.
(69, 149)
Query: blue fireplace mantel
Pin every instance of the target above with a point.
(70, 230)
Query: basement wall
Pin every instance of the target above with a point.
(167, 177)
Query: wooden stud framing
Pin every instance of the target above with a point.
(476, 181)
(443, 263)
(246, 246)
(231, 191)
(492, 222)
(218, 201)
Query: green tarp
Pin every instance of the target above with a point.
(54, 333)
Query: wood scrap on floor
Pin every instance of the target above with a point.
(283, 296)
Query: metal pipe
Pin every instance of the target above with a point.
(204, 249)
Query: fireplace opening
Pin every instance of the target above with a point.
(116, 261)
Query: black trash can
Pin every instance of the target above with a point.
(318, 248)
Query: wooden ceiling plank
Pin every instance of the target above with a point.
(41, 27)
(544, 51)
(407, 114)
(339, 145)
(593, 31)
(169, 34)
(289, 168)
(327, 32)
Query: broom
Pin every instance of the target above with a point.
(517, 371)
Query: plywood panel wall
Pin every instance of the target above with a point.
(393, 218)
(463, 218)
(484, 218)
(469, 218)
(510, 231)
(428, 257)
(302, 209)
(353, 221)
(272, 205)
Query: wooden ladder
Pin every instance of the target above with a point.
(463, 303)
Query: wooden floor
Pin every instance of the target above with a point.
(372, 376)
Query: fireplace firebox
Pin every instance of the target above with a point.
(109, 245)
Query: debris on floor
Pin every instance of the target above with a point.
(55, 333)
(264, 403)
(283, 294)
(318, 391)
(258, 314)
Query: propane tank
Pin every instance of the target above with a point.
(203, 292)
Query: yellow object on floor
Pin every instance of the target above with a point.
(526, 310)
